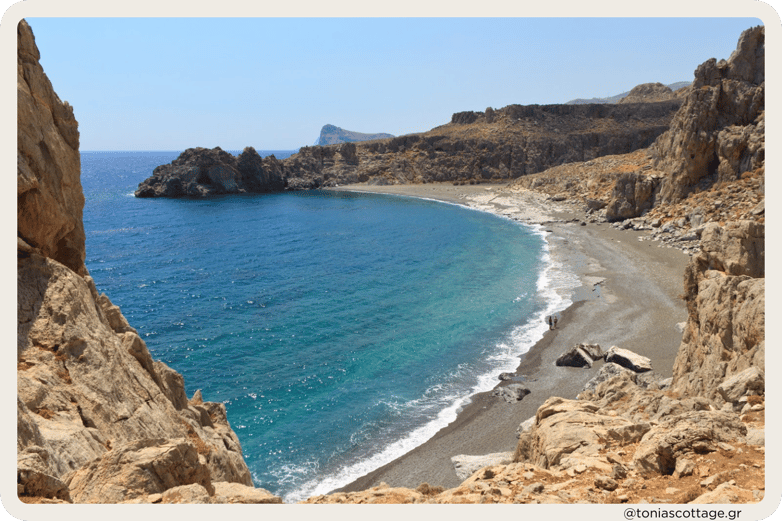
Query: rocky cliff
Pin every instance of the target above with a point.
(718, 133)
(98, 419)
(331, 135)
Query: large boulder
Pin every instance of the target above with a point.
(138, 468)
(628, 359)
(608, 371)
(512, 392)
(750, 381)
(571, 432)
(580, 355)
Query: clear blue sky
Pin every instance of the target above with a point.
(272, 83)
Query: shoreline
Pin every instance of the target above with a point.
(628, 297)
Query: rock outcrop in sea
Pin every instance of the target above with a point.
(98, 419)
(199, 172)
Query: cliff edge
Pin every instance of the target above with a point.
(98, 420)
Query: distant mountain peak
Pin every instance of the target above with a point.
(331, 135)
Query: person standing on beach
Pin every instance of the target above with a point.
(555, 321)
(550, 323)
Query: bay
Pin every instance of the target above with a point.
(340, 329)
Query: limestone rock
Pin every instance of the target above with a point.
(684, 467)
(696, 432)
(756, 437)
(574, 357)
(187, 494)
(725, 493)
(569, 432)
(465, 466)
(34, 476)
(749, 381)
(237, 493)
(628, 359)
(724, 95)
(606, 372)
(725, 296)
(516, 141)
(138, 468)
(330, 135)
(606, 483)
(49, 195)
(738, 248)
(633, 193)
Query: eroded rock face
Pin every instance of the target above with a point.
(92, 404)
(695, 432)
(48, 168)
(717, 132)
(725, 294)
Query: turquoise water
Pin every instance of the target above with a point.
(340, 329)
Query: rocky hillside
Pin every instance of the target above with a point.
(709, 166)
(495, 145)
(632, 437)
(331, 135)
(98, 420)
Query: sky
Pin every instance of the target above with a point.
(272, 83)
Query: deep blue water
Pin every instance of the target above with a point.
(340, 329)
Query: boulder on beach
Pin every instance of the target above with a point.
(511, 393)
(628, 359)
(580, 355)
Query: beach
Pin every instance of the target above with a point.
(629, 297)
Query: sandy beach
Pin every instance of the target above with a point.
(629, 298)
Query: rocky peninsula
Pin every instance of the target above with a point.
(100, 421)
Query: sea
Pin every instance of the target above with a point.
(340, 329)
